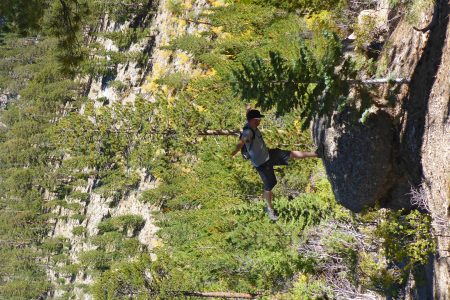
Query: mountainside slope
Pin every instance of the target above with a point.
(116, 178)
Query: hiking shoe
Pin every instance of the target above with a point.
(271, 213)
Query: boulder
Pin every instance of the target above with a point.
(358, 157)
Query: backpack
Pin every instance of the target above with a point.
(244, 150)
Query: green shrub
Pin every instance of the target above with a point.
(122, 224)
(79, 217)
(374, 274)
(95, 259)
(69, 269)
(80, 196)
(112, 247)
(118, 85)
(63, 203)
(56, 245)
(407, 238)
(79, 230)
(307, 287)
(124, 39)
(126, 279)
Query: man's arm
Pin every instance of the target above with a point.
(239, 146)
(246, 137)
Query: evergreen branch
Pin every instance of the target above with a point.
(67, 19)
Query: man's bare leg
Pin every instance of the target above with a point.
(300, 154)
(270, 211)
(268, 196)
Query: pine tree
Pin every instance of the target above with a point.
(26, 156)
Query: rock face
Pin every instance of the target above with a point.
(95, 210)
(358, 158)
(404, 147)
(163, 27)
(435, 148)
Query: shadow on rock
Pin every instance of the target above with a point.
(360, 160)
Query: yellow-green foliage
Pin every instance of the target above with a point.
(406, 245)
(374, 274)
(176, 7)
(320, 21)
(407, 238)
(365, 31)
(306, 287)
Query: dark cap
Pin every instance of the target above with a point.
(254, 114)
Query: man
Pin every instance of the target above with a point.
(263, 159)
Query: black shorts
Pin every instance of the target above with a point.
(277, 157)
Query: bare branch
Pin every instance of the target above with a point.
(379, 81)
(228, 295)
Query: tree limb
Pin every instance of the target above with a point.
(227, 295)
(379, 81)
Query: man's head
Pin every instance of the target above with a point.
(254, 117)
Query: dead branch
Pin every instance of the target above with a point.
(227, 295)
(206, 132)
(219, 132)
(379, 81)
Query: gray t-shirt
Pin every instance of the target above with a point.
(257, 149)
